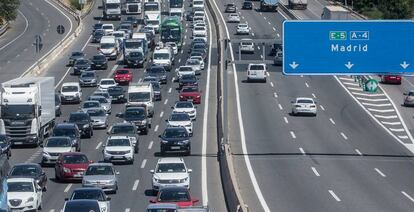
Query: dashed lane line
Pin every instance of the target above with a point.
(156, 128)
(165, 102)
(169, 90)
(150, 144)
(127, 209)
(286, 120)
(280, 107)
(275, 94)
(321, 106)
(346, 79)
(408, 196)
(302, 151)
(334, 195)
(135, 186)
(99, 145)
(68, 188)
(306, 84)
(292, 134)
(161, 114)
(143, 163)
(271, 84)
(344, 136)
(332, 121)
(314, 96)
(403, 136)
(315, 171)
(380, 172)
(353, 88)
(359, 152)
(351, 83)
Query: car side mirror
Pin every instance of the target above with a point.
(117, 172)
(66, 199)
(108, 198)
(189, 170)
(91, 161)
(172, 107)
(166, 120)
(152, 201)
(152, 171)
(405, 94)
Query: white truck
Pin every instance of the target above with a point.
(163, 57)
(298, 4)
(111, 9)
(133, 7)
(27, 109)
(152, 15)
(140, 94)
(333, 12)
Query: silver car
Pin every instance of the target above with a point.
(88, 78)
(104, 103)
(90, 104)
(99, 117)
(103, 93)
(409, 99)
(102, 175)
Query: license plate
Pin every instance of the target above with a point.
(189, 100)
(175, 147)
(18, 142)
(118, 157)
(77, 175)
(97, 65)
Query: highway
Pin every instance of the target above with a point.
(35, 17)
(135, 180)
(340, 160)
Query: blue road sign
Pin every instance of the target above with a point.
(348, 47)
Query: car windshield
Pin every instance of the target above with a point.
(136, 54)
(75, 159)
(242, 26)
(91, 104)
(25, 170)
(123, 130)
(115, 89)
(99, 170)
(76, 207)
(135, 113)
(257, 67)
(107, 45)
(69, 88)
(156, 70)
(69, 132)
(161, 56)
(170, 167)
(173, 196)
(76, 117)
(94, 113)
(101, 100)
(184, 105)
(118, 142)
(192, 62)
(139, 97)
(189, 89)
(151, 7)
(411, 94)
(179, 117)
(98, 58)
(81, 62)
(20, 187)
(188, 77)
(77, 54)
(175, 133)
(199, 29)
(58, 142)
(88, 75)
(88, 194)
(107, 27)
(122, 71)
(127, 27)
(305, 101)
(107, 82)
(185, 69)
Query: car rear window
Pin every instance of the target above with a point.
(257, 67)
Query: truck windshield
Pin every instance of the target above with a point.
(151, 7)
(17, 111)
(112, 6)
(132, 45)
(139, 97)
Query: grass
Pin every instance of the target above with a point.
(372, 13)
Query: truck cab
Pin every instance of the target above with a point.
(133, 7)
(111, 9)
(141, 94)
(152, 15)
(163, 57)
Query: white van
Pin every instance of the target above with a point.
(109, 47)
(141, 94)
(256, 72)
(164, 57)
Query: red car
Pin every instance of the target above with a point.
(71, 166)
(123, 76)
(175, 195)
(391, 79)
(190, 93)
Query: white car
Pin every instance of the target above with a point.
(105, 83)
(173, 46)
(256, 72)
(304, 105)
(233, 18)
(181, 120)
(199, 58)
(184, 70)
(119, 148)
(185, 107)
(108, 28)
(54, 146)
(24, 194)
(243, 29)
(246, 46)
(204, 37)
(199, 30)
(196, 64)
(170, 172)
(200, 24)
(71, 92)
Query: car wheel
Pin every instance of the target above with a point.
(145, 132)
(57, 178)
(89, 134)
(40, 206)
(136, 149)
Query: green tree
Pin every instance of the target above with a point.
(8, 9)
(396, 9)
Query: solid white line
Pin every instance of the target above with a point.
(99, 145)
(292, 134)
(135, 186)
(150, 144)
(68, 188)
(408, 196)
(21, 34)
(381, 111)
(179, 60)
(172, 80)
(302, 151)
(367, 94)
(315, 171)
(143, 163)
(354, 89)
(380, 172)
(307, 85)
(169, 90)
(351, 83)
(271, 84)
(359, 153)
(322, 107)
(252, 175)
(286, 120)
(53, 210)
(156, 128)
(344, 136)
(332, 121)
(165, 102)
(269, 23)
(347, 79)
(376, 105)
(258, 47)
(371, 100)
(334, 196)
(280, 107)
(314, 96)
(161, 114)
(386, 117)
(397, 130)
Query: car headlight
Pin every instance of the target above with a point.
(66, 170)
(185, 141)
(184, 180)
(46, 153)
(156, 179)
(77, 94)
(93, 80)
(164, 141)
(31, 199)
(85, 126)
(128, 151)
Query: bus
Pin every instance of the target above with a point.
(177, 4)
(172, 31)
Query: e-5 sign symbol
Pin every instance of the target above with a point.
(337, 35)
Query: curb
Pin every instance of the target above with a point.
(4, 28)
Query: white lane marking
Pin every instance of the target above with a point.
(269, 23)
(403, 136)
(359, 152)
(185, 37)
(314, 96)
(397, 129)
(371, 100)
(169, 90)
(376, 105)
(367, 94)
(271, 84)
(21, 34)
(68, 188)
(344, 136)
(182, 51)
(354, 89)
(252, 175)
(99, 145)
(322, 107)
(127, 209)
(334, 196)
(261, 56)
(253, 34)
(275, 94)
(135, 186)
(292, 134)
(143, 163)
(156, 128)
(332, 121)
(347, 79)
(165, 102)
(278, 35)
(351, 83)
(150, 145)
(267, 73)
(258, 47)
(280, 107)
(306, 84)
(381, 111)
(274, 29)
(264, 17)
(53, 210)
(302, 151)
(408, 196)
(315, 171)
(179, 60)
(380, 172)
(18, 55)
(286, 120)
(386, 117)
(161, 114)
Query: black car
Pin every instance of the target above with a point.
(81, 205)
(230, 8)
(247, 5)
(189, 15)
(134, 21)
(135, 59)
(97, 35)
(175, 139)
(83, 121)
(81, 65)
(71, 130)
(99, 62)
(93, 193)
(5, 145)
(158, 71)
(75, 56)
(126, 129)
(137, 116)
(126, 27)
(97, 26)
(117, 93)
(58, 104)
(187, 79)
(29, 170)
